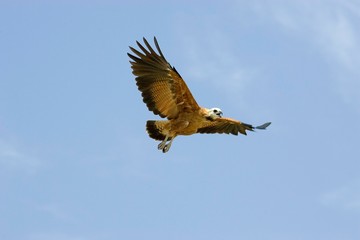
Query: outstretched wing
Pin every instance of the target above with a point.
(228, 126)
(163, 90)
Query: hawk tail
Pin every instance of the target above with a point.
(154, 129)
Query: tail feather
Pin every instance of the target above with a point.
(154, 130)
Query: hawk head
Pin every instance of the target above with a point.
(214, 113)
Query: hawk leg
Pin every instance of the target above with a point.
(164, 146)
(163, 143)
(167, 146)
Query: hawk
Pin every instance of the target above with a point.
(166, 94)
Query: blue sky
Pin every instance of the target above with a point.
(76, 162)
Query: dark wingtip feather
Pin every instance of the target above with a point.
(158, 48)
(248, 127)
(264, 126)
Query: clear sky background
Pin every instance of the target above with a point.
(76, 162)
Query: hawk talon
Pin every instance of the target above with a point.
(165, 149)
(167, 146)
(161, 145)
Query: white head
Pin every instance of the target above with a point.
(214, 113)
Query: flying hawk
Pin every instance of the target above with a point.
(166, 94)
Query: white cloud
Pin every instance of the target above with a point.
(346, 197)
(56, 211)
(212, 59)
(12, 157)
(329, 26)
(54, 236)
(332, 26)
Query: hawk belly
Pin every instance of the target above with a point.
(159, 129)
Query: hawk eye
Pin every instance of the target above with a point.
(215, 111)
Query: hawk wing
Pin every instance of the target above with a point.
(163, 90)
(228, 126)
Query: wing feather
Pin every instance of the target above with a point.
(163, 90)
(225, 125)
(229, 126)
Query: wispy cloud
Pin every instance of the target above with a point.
(57, 212)
(329, 26)
(332, 26)
(54, 236)
(212, 60)
(346, 197)
(14, 158)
